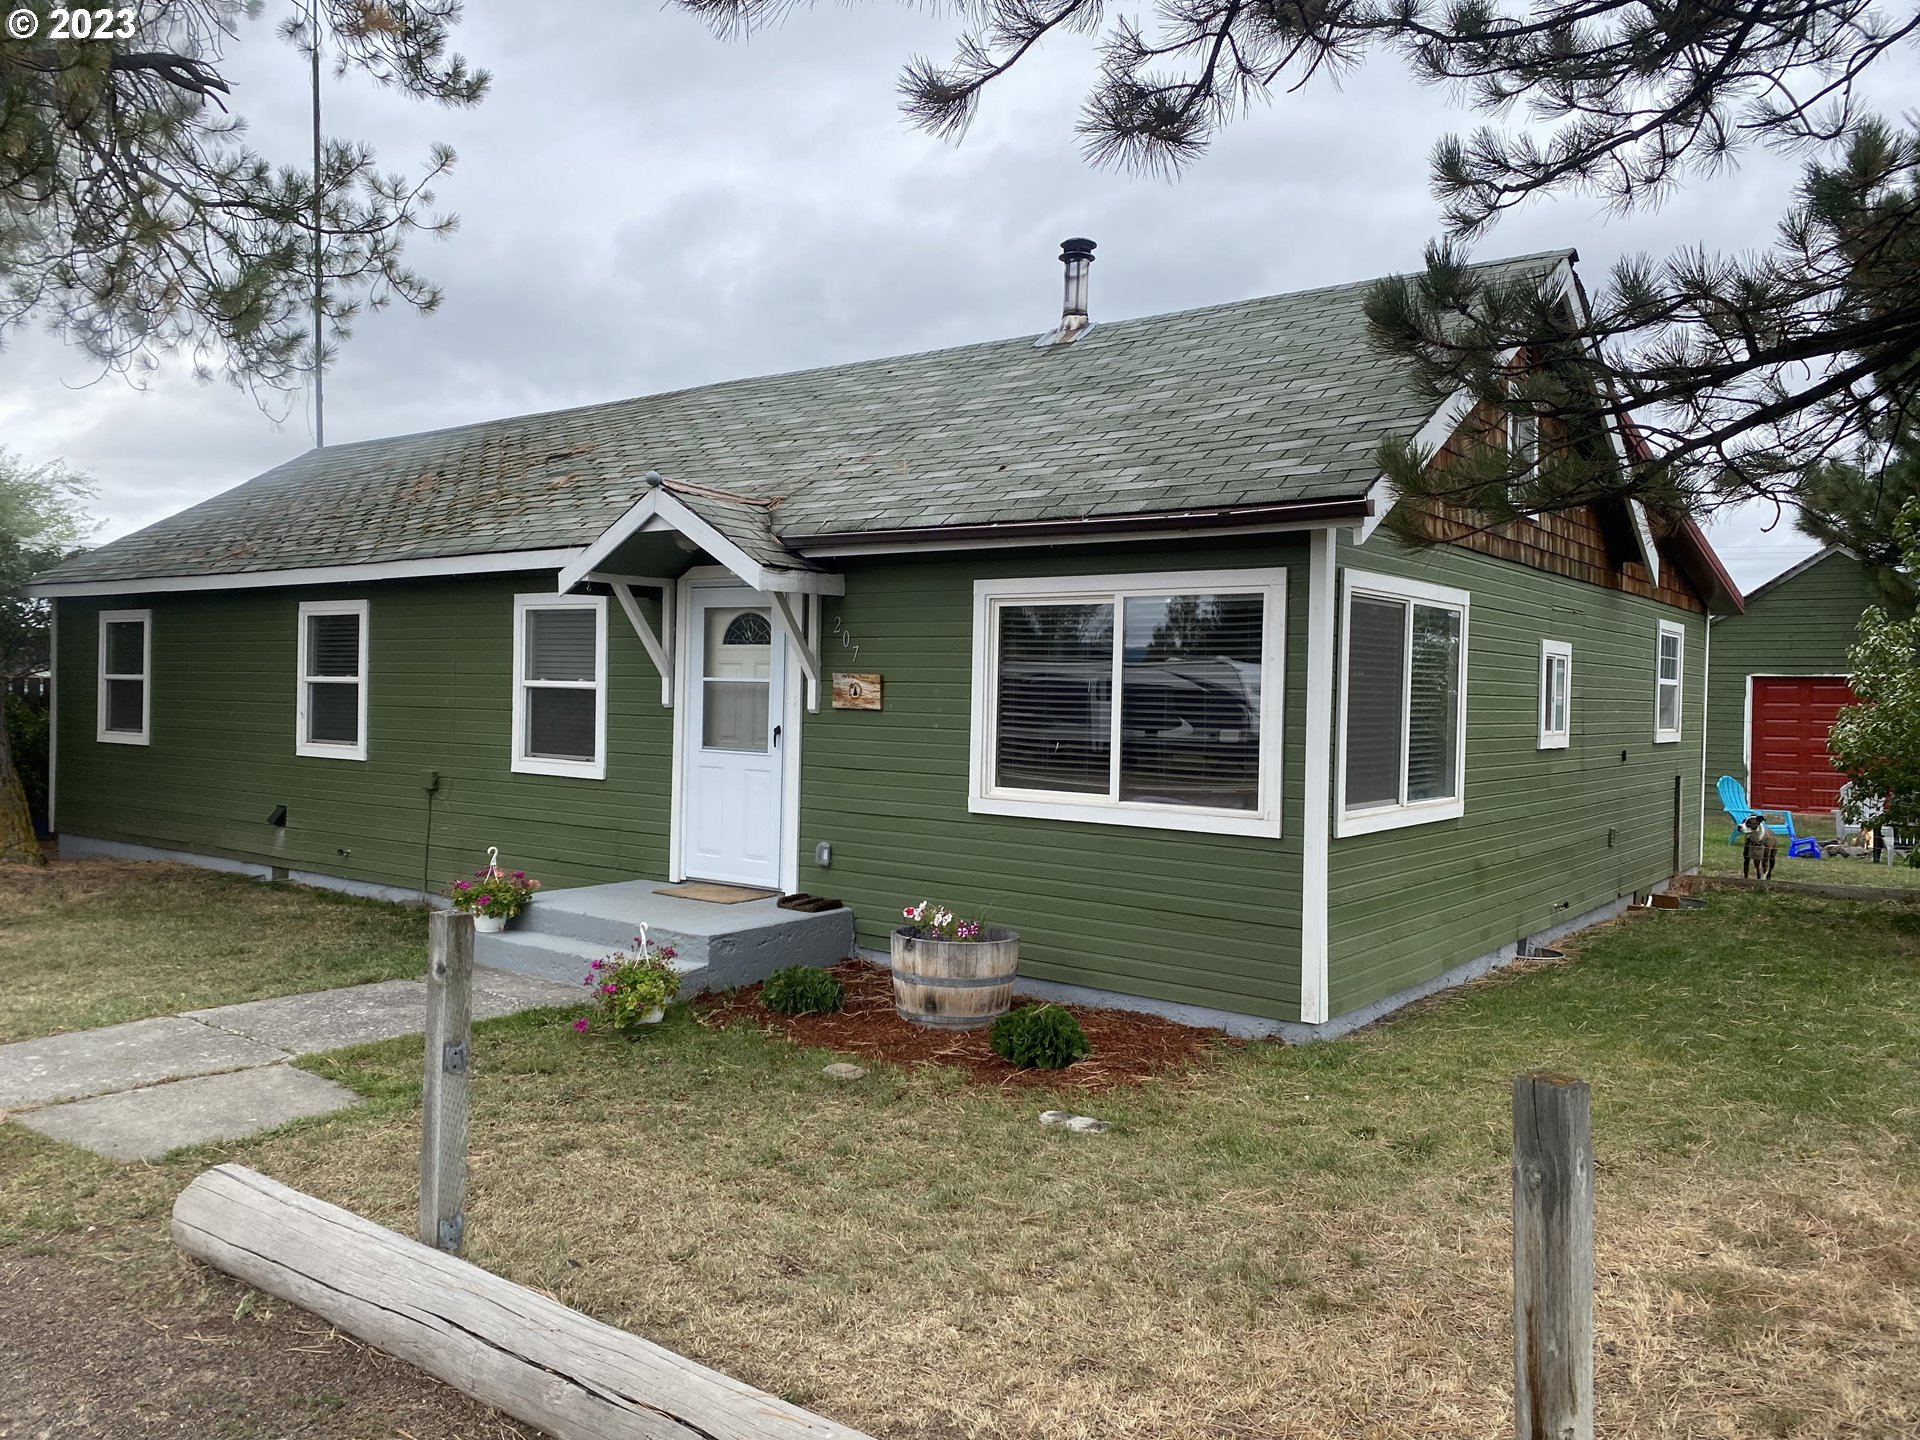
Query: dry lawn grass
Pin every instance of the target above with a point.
(96, 942)
(1285, 1242)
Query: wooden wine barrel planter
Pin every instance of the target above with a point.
(954, 984)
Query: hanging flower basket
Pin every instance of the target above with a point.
(493, 896)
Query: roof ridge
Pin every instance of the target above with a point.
(1104, 328)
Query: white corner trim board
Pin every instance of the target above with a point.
(1316, 784)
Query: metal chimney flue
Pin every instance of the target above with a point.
(1077, 255)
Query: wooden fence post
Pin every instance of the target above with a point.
(443, 1117)
(1552, 1258)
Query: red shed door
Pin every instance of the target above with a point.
(1788, 761)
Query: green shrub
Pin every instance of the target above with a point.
(801, 990)
(1039, 1037)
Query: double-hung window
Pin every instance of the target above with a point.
(331, 709)
(1666, 683)
(1556, 694)
(1403, 704)
(560, 685)
(1150, 700)
(126, 668)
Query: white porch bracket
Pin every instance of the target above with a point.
(659, 647)
(803, 634)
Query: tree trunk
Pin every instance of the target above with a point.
(17, 842)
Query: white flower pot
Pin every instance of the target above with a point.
(654, 1016)
(489, 924)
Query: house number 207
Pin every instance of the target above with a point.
(846, 637)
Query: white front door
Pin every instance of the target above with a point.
(731, 792)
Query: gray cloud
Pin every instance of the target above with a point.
(645, 207)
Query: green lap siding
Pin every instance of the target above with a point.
(1802, 626)
(222, 756)
(1533, 849)
(1202, 919)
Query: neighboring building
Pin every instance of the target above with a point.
(1779, 678)
(1150, 688)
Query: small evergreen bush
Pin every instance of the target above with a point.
(801, 990)
(1039, 1037)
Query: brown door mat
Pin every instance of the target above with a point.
(715, 893)
(809, 904)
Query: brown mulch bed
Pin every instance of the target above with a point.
(1127, 1047)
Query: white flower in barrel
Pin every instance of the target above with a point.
(952, 971)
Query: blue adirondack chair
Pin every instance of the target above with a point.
(1733, 799)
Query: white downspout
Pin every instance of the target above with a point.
(1316, 783)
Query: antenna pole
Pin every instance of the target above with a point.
(319, 350)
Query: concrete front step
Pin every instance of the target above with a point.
(558, 957)
(718, 946)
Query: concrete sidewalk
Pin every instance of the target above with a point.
(111, 1090)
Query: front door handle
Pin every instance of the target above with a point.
(776, 737)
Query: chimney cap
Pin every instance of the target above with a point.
(1076, 249)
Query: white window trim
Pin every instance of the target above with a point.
(1679, 683)
(1551, 739)
(524, 764)
(1375, 818)
(145, 677)
(326, 749)
(983, 798)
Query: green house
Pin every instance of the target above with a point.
(1095, 634)
(1780, 677)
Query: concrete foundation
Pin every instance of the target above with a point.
(1262, 1027)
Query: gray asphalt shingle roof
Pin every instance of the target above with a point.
(1258, 402)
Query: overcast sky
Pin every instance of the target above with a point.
(645, 207)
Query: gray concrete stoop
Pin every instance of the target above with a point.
(718, 947)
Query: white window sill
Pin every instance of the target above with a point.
(1667, 737)
(1397, 817)
(314, 750)
(1555, 742)
(573, 769)
(121, 737)
(1104, 812)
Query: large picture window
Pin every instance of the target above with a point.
(331, 711)
(125, 690)
(560, 685)
(1403, 703)
(1666, 682)
(1149, 700)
